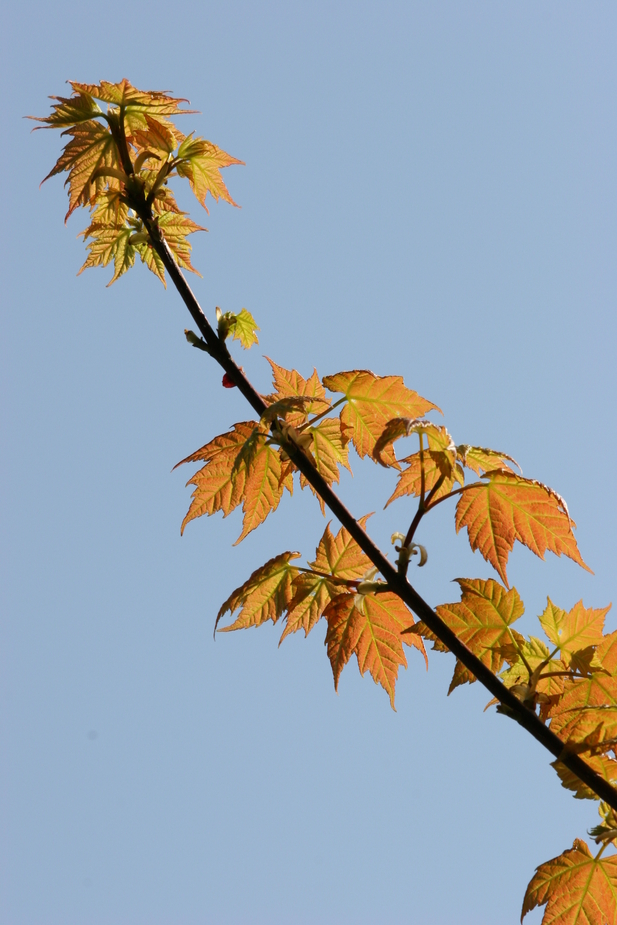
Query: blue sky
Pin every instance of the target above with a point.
(429, 191)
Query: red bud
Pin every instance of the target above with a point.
(227, 382)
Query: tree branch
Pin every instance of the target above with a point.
(397, 583)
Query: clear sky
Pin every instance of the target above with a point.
(429, 191)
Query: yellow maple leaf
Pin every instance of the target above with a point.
(577, 629)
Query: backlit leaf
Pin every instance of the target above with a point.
(312, 594)
(124, 94)
(603, 765)
(328, 450)
(201, 162)
(289, 383)
(480, 459)
(577, 629)
(438, 437)
(263, 487)
(607, 653)
(588, 707)
(508, 508)
(481, 619)
(369, 627)
(264, 596)
(91, 147)
(175, 227)
(576, 888)
(373, 401)
(437, 463)
(219, 484)
(245, 329)
(340, 555)
(532, 653)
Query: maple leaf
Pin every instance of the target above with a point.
(175, 227)
(200, 161)
(245, 329)
(369, 627)
(438, 437)
(312, 594)
(480, 459)
(587, 710)
(328, 448)
(436, 464)
(340, 555)
(606, 653)
(264, 596)
(265, 481)
(91, 147)
(109, 242)
(481, 619)
(159, 135)
(373, 401)
(125, 95)
(576, 888)
(603, 765)
(508, 508)
(421, 629)
(69, 111)
(219, 485)
(575, 630)
(288, 383)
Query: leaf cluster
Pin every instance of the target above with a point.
(122, 149)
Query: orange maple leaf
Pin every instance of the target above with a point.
(577, 888)
(264, 596)
(369, 626)
(480, 459)
(288, 383)
(587, 710)
(373, 401)
(200, 161)
(312, 594)
(241, 466)
(218, 486)
(340, 555)
(482, 620)
(508, 507)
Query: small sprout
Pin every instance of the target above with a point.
(367, 585)
(406, 552)
(196, 341)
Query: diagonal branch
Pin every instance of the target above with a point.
(397, 582)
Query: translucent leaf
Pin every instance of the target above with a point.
(576, 888)
(577, 629)
(264, 596)
(481, 619)
(201, 163)
(373, 401)
(508, 508)
(369, 627)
